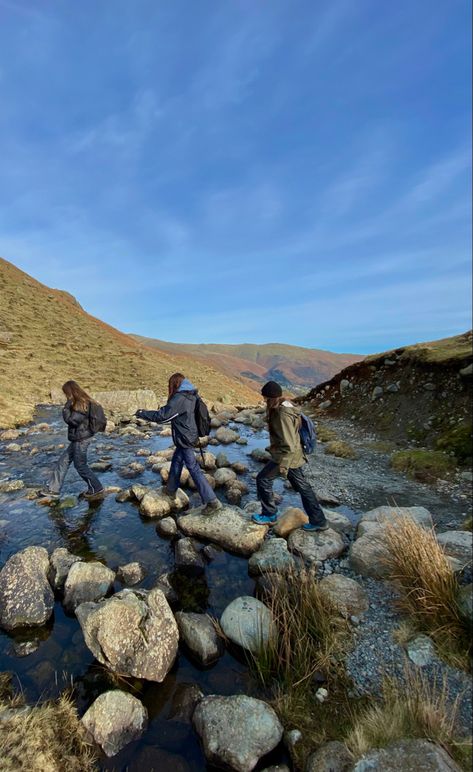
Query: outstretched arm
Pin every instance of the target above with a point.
(161, 416)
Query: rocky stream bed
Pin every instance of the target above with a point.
(199, 568)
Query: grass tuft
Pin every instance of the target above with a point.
(417, 710)
(428, 587)
(45, 737)
(422, 465)
(340, 448)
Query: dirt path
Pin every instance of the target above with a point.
(369, 481)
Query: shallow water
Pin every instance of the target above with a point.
(115, 533)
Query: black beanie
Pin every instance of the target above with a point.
(271, 389)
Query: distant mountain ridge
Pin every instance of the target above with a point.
(47, 338)
(294, 367)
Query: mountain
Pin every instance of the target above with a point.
(420, 394)
(293, 367)
(47, 338)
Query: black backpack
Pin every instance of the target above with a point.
(97, 419)
(202, 418)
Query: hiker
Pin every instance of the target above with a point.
(288, 460)
(77, 414)
(180, 411)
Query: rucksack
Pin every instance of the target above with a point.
(97, 418)
(308, 434)
(202, 418)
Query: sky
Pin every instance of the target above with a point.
(231, 171)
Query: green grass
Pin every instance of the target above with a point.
(422, 465)
(457, 441)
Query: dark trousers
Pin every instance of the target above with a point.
(187, 456)
(75, 453)
(298, 480)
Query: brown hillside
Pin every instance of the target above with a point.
(417, 394)
(292, 366)
(47, 338)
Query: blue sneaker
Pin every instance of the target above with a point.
(265, 519)
(314, 528)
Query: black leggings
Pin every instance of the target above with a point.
(298, 480)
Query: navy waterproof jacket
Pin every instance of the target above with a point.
(180, 413)
(78, 427)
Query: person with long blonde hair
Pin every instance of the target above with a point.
(179, 411)
(288, 461)
(76, 414)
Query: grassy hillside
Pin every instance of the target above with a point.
(417, 394)
(292, 366)
(47, 338)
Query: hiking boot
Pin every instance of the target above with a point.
(313, 528)
(95, 495)
(265, 519)
(211, 507)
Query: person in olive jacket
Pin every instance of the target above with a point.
(179, 411)
(288, 460)
(76, 414)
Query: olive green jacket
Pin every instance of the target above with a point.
(285, 442)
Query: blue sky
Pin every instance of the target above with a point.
(242, 170)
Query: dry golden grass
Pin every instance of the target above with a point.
(415, 709)
(46, 338)
(47, 738)
(325, 433)
(310, 642)
(428, 587)
(340, 448)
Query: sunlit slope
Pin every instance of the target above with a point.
(47, 338)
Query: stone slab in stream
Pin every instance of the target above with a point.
(228, 527)
(133, 633)
(236, 731)
(114, 720)
(26, 597)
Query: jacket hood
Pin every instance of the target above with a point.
(288, 407)
(186, 385)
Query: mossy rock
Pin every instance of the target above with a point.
(458, 441)
(422, 465)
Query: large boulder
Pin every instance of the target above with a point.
(187, 558)
(291, 519)
(224, 476)
(387, 514)
(348, 596)
(226, 436)
(408, 756)
(330, 757)
(236, 731)
(273, 556)
(60, 564)
(114, 720)
(338, 522)
(159, 504)
(227, 527)
(133, 633)
(457, 546)
(199, 634)
(126, 402)
(315, 547)
(26, 597)
(249, 623)
(86, 582)
(369, 554)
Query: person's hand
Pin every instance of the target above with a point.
(283, 471)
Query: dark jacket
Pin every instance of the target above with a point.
(180, 413)
(284, 424)
(77, 422)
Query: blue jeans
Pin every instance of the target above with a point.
(298, 480)
(187, 456)
(75, 453)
